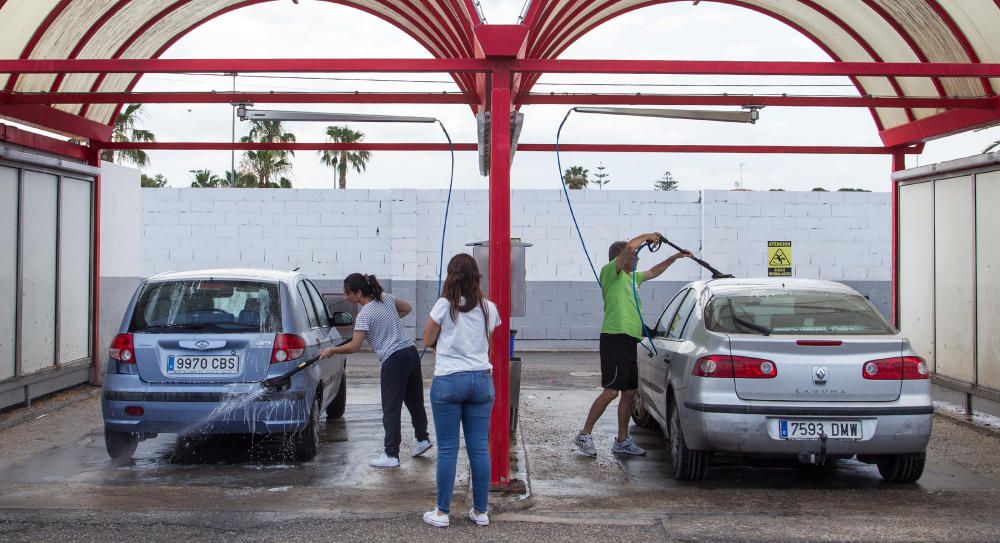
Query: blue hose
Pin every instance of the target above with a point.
(447, 208)
(569, 202)
(635, 287)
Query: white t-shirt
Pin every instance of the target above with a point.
(463, 344)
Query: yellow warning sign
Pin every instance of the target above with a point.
(779, 259)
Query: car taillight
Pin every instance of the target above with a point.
(896, 368)
(741, 367)
(287, 347)
(122, 349)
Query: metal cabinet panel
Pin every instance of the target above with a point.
(38, 271)
(916, 275)
(8, 269)
(954, 276)
(988, 278)
(74, 269)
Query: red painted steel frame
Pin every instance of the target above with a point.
(414, 65)
(95, 326)
(459, 98)
(246, 97)
(273, 65)
(898, 163)
(500, 273)
(737, 67)
(524, 147)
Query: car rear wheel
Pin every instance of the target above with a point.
(640, 415)
(689, 465)
(120, 445)
(336, 408)
(902, 468)
(306, 441)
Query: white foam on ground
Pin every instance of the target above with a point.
(978, 418)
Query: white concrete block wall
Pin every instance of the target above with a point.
(396, 234)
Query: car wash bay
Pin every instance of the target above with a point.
(495, 75)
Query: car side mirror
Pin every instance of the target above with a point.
(341, 318)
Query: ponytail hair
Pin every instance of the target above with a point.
(367, 285)
(463, 282)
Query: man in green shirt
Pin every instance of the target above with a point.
(620, 332)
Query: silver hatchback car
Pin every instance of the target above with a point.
(194, 347)
(783, 367)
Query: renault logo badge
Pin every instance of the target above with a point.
(820, 374)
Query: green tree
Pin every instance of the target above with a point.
(666, 182)
(243, 180)
(156, 182)
(776, 190)
(263, 164)
(125, 130)
(575, 177)
(846, 189)
(819, 189)
(204, 179)
(340, 160)
(601, 178)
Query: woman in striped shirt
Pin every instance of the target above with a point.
(379, 322)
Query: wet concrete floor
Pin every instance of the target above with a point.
(58, 464)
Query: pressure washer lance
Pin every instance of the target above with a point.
(282, 381)
(716, 274)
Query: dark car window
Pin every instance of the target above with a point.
(307, 303)
(677, 323)
(209, 306)
(317, 300)
(668, 313)
(795, 312)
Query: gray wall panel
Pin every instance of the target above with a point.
(74, 270)
(8, 269)
(38, 288)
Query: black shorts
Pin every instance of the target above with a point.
(619, 365)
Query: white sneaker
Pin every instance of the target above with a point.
(586, 444)
(384, 461)
(481, 519)
(421, 447)
(436, 518)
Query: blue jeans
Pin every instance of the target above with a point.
(464, 398)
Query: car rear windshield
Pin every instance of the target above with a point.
(794, 312)
(207, 306)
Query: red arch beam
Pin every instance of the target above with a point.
(526, 147)
(601, 66)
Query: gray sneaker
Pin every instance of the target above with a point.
(627, 447)
(585, 444)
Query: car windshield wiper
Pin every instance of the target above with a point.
(745, 323)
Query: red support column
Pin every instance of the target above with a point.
(95, 324)
(500, 272)
(898, 163)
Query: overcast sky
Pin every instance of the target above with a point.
(672, 31)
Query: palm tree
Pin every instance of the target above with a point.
(125, 130)
(243, 180)
(575, 177)
(264, 165)
(205, 179)
(340, 160)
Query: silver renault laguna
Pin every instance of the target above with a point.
(783, 367)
